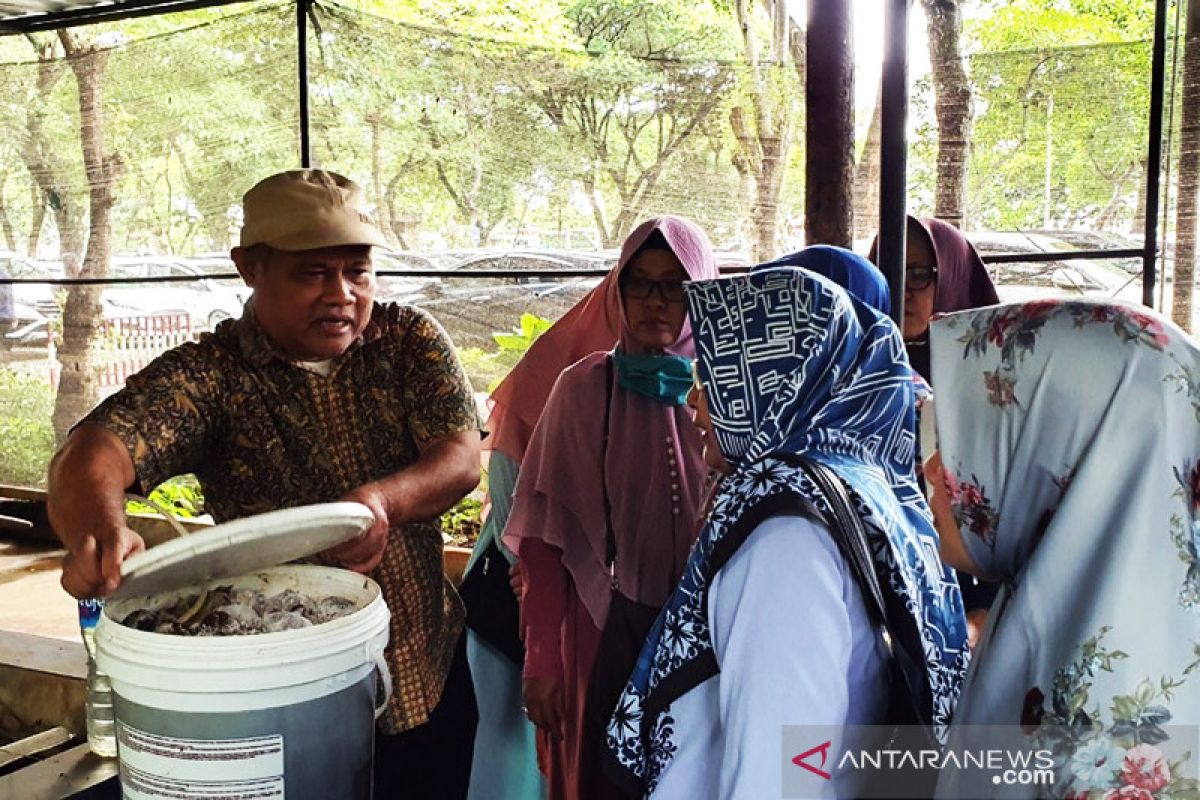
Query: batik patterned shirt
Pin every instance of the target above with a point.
(262, 433)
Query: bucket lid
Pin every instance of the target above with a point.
(241, 546)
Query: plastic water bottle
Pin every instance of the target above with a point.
(101, 723)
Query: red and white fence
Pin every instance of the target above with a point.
(126, 344)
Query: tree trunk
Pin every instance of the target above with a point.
(607, 238)
(1189, 175)
(377, 181)
(866, 177)
(829, 134)
(773, 113)
(770, 186)
(398, 222)
(952, 106)
(761, 162)
(47, 172)
(1139, 211)
(1108, 215)
(78, 388)
(1048, 171)
(10, 234)
(37, 208)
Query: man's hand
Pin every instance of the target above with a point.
(364, 552)
(545, 704)
(86, 506)
(447, 469)
(92, 567)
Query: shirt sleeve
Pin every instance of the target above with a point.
(164, 415)
(543, 608)
(782, 633)
(436, 390)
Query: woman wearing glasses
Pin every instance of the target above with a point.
(944, 273)
(504, 765)
(606, 503)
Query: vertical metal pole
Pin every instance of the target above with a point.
(1158, 70)
(893, 184)
(1165, 190)
(302, 7)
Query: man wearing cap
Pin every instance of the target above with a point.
(315, 394)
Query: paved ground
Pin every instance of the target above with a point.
(31, 599)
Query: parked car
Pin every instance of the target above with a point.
(29, 327)
(1100, 240)
(40, 296)
(398, 288)
(1016, 282)
(207, 300)
(532, 261)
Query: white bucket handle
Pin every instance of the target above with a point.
(385, 675)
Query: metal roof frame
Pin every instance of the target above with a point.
(29, 16)
(23, 16)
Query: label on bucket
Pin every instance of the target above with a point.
(155, 767)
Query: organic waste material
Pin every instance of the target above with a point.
(225, 611)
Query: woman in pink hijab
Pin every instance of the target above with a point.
(608, 495)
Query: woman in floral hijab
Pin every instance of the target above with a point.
(1071, 464)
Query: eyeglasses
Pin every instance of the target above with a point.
(918, 278)
(641, 289)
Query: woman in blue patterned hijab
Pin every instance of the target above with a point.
(847, 269)
(768, 626)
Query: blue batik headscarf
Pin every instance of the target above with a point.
(847, 269)
(794, 366)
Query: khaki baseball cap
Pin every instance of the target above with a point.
(304, 209)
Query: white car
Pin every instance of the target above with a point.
(1031, 280)
(401, 289)
(207, 300)
(27, 328)
(40, 296)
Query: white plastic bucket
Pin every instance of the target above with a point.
(264, 716)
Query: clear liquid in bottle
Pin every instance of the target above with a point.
(101, 722)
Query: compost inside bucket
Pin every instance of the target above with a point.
(226, 611)
(273, 714)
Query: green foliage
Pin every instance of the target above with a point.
(462, 523)
(486, 370)
(26, 435)
(1061, 104)
(27, 444)
(522, 337)
(483, 369)
(181, 495)
(473, 122)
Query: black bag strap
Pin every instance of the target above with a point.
(851, 537)
(850, 534)
(610, 539)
